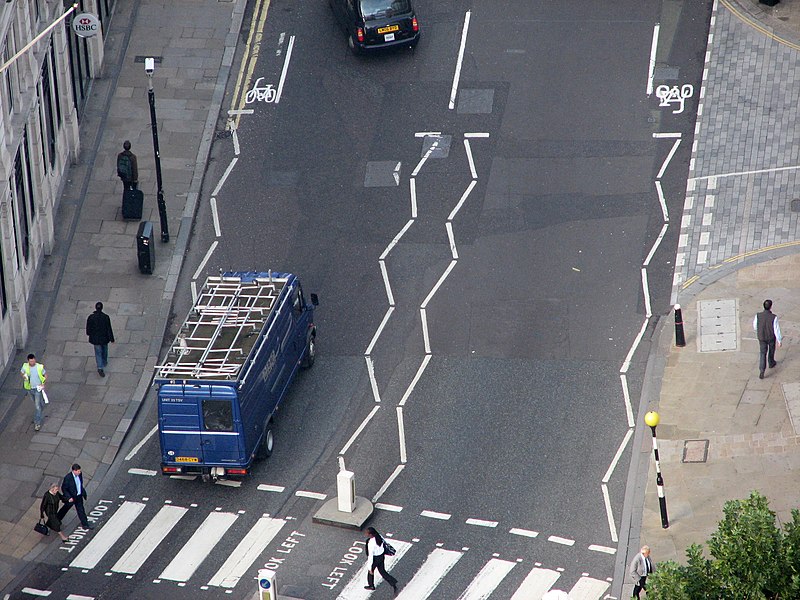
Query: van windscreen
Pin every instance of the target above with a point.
(218, 415)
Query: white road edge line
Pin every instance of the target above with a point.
(35, 592)
(666, 135)
(227, 172)
(359, 430)
(314, 495)
(146, 472)
(243, 111)
(202, 265)
(235, 137)
(285, 69)
(453, 250)
(481, 523)
(662, 200)
(627, 364)
(669, 158)
(379, 330)
(523, 532)
(457, 74)
(427, 133)
(193, 285)
(617, 456)
(387, 483)
(651, 70)
(627, 397)
(438, 283)
(424, 158)
(423, 317)
(737, 173)
(476, 135)
(414, 381)
(401, 432)
(215, 217)
(609, 513)
(560, 540)
(265, 487)
(646, 291)
(79, 597)
(604, 549)
(464, 196)
(656, 244)
(385, 274)
(396, 238)
(435, 515)
(372, 381)
(138, 446)
(468, 149)
(412, 188)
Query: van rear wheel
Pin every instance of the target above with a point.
(267, 443)
(311, 353)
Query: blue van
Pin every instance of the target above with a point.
(228, 370)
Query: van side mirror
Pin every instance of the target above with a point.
(314, 299)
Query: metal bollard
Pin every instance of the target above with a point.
(680, 338)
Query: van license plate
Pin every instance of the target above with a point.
(186, 459)
(389, 37)
(388, 29)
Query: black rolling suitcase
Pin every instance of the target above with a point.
(132, 201)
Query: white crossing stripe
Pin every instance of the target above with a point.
(354, 590)
(588, 589)
(35, 592)
(536, 584)
(264, 487)
(79, 597)
(199, 546)
(523, 532)
(485, 582)
(248, 550)
(430, 574)
(604, 549)
(152, 535)
(315, 495)
(106, 537)
(435, 515)
(560, 540)
(481, 523)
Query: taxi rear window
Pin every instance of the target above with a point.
(378, 9)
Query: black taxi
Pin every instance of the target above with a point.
(376, 24)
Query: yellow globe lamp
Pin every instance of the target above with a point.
(652, 419)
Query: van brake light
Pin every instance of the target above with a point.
(170, 469)
(237, 471)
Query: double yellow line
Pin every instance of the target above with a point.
(738, 257)
(757, 26)
(250, 57)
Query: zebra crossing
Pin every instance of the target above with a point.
(432, 576)
(194, 552)
(131, 537)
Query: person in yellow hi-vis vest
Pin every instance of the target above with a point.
(34, 376)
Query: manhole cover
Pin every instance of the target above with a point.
(695, 451)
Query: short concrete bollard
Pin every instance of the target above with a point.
(267, 588)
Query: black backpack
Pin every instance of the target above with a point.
(124, 167)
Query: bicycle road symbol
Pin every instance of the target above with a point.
(259, 94)
(674, 95)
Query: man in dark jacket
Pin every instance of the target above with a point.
(768, 331)
(98, 328)
(74, 494)
(128, 167)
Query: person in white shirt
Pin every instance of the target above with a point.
(768, 331)
(376, 558)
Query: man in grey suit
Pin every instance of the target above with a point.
(641, 567)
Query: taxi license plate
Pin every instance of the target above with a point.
(191, 459)
(389, 29)
(389, 37)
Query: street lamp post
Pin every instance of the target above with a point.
(149, 67)
(652, 419)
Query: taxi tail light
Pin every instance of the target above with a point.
(170, 469)
(237, 471)
(414, 24)
(360, 34)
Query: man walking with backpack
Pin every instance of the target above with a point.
(128, 167)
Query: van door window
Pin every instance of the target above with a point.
(218, 415)
(297, 300)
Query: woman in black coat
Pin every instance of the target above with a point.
(49, 509)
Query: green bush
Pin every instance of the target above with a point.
(751, 558)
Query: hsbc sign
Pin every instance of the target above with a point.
(86, 25)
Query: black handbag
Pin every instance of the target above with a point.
(41, 528)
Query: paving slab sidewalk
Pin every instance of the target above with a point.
(94, 258)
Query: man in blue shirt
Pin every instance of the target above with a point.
(34, 376)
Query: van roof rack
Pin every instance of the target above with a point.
(222, 328)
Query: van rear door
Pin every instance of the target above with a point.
(220, 437)
(179, 426)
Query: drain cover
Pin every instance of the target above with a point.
(695, 451)
(717, 325)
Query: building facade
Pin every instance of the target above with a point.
(42, 93)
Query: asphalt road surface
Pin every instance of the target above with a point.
(480, 274)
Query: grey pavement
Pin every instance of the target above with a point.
(724, 431)
(94, 257)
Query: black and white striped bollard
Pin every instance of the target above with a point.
(652, 419)
(680, 337)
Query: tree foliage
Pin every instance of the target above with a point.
(751, 558)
